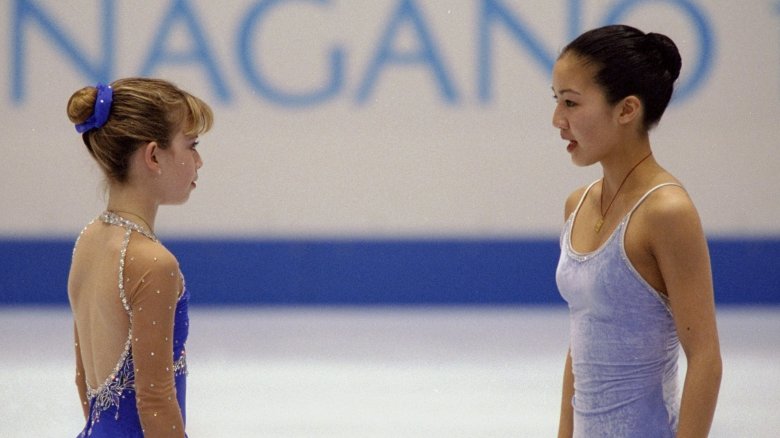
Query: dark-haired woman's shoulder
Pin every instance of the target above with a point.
(670, 207)
(572, 200)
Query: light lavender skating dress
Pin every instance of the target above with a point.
(624, 344)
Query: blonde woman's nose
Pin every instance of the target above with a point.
(198, 160)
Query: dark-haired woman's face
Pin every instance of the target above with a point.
(583, 116)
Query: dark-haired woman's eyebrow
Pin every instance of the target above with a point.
(568, 90)
(564, 91)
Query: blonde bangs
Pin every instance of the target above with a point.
(198, 117)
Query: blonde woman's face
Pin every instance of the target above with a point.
(180, 163)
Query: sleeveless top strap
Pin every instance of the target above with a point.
(648, 193)
(582, 199)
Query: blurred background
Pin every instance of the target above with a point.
(386, 160)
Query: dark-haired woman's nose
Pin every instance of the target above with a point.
(559, 121)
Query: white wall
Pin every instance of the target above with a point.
(405, 161)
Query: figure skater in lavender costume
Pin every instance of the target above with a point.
(634, 265)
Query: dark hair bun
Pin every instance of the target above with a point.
(670, 56)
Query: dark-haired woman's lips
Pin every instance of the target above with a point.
(571, 146)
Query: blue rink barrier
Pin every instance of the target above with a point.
(373, 272)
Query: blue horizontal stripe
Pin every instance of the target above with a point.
(373, 272)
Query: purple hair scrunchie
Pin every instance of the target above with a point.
(100, 112)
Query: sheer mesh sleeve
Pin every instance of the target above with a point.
(81, 381)
(153, 288)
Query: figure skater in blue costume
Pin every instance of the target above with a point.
(634, 265)
(126, 292)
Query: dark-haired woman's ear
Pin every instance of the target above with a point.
(630, 110)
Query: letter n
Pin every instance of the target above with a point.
(27, 13)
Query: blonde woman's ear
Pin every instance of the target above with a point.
(150, 151)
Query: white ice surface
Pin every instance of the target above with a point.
(370, 372)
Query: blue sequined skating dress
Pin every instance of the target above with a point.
(113, 405)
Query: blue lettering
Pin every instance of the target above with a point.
(28, 18)
(26, 11)
(495, 10)
(427, 53)
(262, 86)
(200, 53)
(702, 28)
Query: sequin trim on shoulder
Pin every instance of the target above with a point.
(76, 244)
(112, 218)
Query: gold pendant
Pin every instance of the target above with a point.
(598, 225)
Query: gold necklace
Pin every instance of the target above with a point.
(600, 222)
